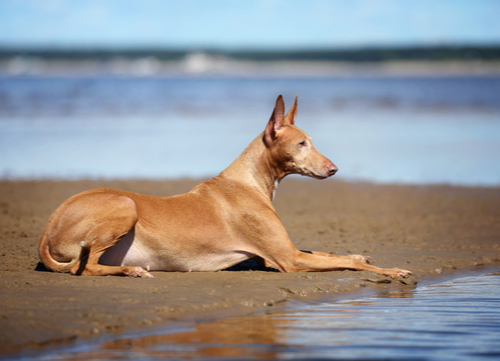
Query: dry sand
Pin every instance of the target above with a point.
(432, 230)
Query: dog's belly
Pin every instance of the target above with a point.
(132, 251)
(128, 249)
(216, 262)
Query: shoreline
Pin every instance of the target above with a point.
(143, 333)
(436, 231)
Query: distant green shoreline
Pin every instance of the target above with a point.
(361, 55)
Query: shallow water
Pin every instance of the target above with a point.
(403, 130)
(454, 320)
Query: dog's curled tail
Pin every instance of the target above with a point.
(51, 263)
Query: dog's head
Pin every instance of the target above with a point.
(291, 149)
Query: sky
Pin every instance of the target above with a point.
(240, 24)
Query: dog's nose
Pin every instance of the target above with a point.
(332, 169)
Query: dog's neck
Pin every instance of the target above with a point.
(255, 167)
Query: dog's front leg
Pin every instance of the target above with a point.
(310, 262)
(365, 259)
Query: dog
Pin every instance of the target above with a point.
(219, 223)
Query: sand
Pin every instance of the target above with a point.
(435, 231)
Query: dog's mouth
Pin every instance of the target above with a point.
(307, 172)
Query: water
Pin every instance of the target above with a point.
(403, 130)
(454, 320)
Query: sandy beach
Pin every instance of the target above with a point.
(435, 231)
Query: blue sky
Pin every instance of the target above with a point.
(248, 23)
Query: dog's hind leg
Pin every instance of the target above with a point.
(105, 233)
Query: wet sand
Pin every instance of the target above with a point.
(434, 231)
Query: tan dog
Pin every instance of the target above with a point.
(221, 222)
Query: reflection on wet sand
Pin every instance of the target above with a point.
(404, 293)
(235, 337)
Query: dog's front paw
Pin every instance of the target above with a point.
(396, 272)
(137, 272)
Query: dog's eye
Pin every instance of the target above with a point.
(302, 144)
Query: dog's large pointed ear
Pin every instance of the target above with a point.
(292, 113)
(276, 122)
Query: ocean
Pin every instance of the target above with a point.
(417, 130)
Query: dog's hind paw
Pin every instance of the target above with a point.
(137, 272)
